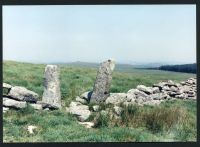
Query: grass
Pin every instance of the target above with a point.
(170, 121)
(76, 80)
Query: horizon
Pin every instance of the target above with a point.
(137, 34)
(136, 63)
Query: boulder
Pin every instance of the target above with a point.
(130, 96)
(86, 95)
(5, 109)
(166, 88)
(152, 103)
(81, 111)
(103, 82)
(181, 96)
(139, 93)
(145, 89)
(96, 108)
(7, 86)
(37, 106)
(140, 100)
(171, 83)
(173, 88)
(155, 90)
(185, 88)
(87, 124)
(51, 95)
(31, 129)
(117, 110)
(159, 96)
(160, 85)
(82, 101)
(23, 94)
(116, 98)
(7, 102)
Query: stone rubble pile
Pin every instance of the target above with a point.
(19, 97)
(89, 102)
(141, 95)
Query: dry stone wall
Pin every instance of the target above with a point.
(19, 97)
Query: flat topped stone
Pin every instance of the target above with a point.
(23, 94)
(7, 102)
(145, 89)
(51, 95)
(7, 86)
(103, 81)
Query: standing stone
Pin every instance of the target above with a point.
(103, 82)
(51, 95)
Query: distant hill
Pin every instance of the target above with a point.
(119, 66)
(187, 68)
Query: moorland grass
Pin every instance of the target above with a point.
(170, 121)
(76, 80)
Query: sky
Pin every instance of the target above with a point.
(91, 33)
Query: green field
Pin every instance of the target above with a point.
(58, 126)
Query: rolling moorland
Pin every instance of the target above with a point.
(170, 121)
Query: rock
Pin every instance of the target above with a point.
(81, 111)
(172, 93)
(183, 83)
(23, 94)
(160, 85)
(166, 88)
(82, 101)
(155, 90)
(171, 83)
(51, 95)
(145, 89)
(87, 124)
(128, 103)
(31, 129)
(67, 109)
(5, 109)
(116, 98)
(7, 86)
(185, 88)
(86, 95)
(159, 96)
(191, 94)
(103, 82)
(7, 102)
(179, 91)
(96, 108)
(46, 109)
(37, 106)
(117, 110)
(152, 103)
(191, 81)
(130, 96)
(140, 93)
(181, 96)
(139, 100)
(46, 105)
(104, 112)
(137, 93)
(173, 88)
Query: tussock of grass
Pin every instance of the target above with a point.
(156, 119)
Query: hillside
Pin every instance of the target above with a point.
(59, 126)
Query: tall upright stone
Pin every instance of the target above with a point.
(51, 96)
(103, 82)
